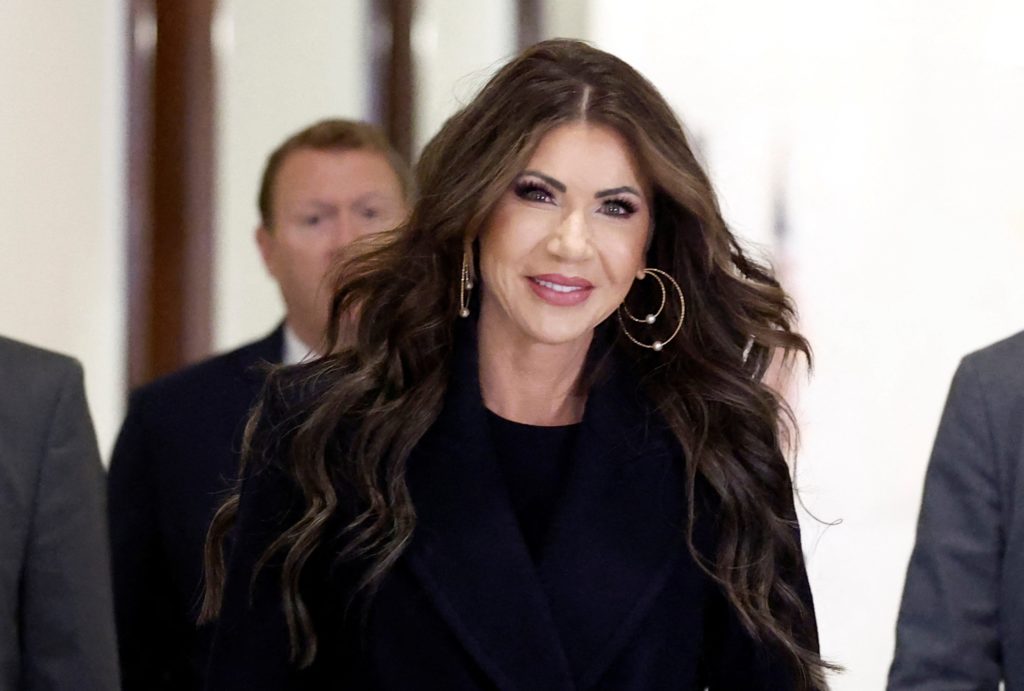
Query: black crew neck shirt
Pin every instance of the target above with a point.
(535, 462)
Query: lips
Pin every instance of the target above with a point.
(559, 290)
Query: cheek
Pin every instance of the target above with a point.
(495, 273)
(503, 243)
(625, 258)
(308, 253)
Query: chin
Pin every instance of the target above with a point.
(559, 333)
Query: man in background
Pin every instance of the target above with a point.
(56, 614)
(961, 623)
(178, 448)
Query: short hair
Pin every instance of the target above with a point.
(331, 135)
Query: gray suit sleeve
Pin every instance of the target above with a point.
(67, 614)
(947, 636)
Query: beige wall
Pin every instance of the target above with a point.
(61, 170)
(279, 68)
(456, 51)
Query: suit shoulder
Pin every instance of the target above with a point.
(36, 380)
(1008, 352)
(1000, 365)
(202, 378)
(26, 368)
(992, 380)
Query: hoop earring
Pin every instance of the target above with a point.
(465, 286)
(652, 317)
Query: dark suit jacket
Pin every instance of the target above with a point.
(174, 459)
(616, 602)
(56, 615)
(961, 623)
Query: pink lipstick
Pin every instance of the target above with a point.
(559, 290)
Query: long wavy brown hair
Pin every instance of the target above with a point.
(385, 385)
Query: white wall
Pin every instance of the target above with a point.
(279, 68)
(893, 132)
(565, 19)
(62, 242)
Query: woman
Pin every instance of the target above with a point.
(548, 460)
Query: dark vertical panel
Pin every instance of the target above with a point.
(394, 88)
(171, 176)
(528, 27)
(183, 180)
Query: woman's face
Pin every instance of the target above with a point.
(566, 241)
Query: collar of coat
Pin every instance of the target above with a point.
(614, 541)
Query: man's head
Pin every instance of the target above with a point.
(322, 188)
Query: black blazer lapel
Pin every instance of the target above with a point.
(620, 531)
(468, 552)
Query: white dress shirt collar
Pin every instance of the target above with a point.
(295, 350)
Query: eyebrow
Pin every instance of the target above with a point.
(560, 186)
(320, 204)
(374, 196)
(614, 191)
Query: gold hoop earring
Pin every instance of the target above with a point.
(652, 317)
(465, 286)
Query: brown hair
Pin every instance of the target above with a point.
(330, 135)
(387, 386)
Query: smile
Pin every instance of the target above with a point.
(556, 286)
(561, 291)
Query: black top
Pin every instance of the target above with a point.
(535, 463)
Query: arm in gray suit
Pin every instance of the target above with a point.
(948, 634)
(65, 618)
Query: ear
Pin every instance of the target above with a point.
(266, 242)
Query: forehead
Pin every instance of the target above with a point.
(587, 155)
(352, 172)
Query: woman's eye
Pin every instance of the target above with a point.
(533, 192)
(619, 207)
(311, 220)
(371, 214)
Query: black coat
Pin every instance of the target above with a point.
(175, 458)
(616, 602)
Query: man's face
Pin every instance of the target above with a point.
(322, 201)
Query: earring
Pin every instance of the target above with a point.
(747, 348)
(652, 317)
(465, 286)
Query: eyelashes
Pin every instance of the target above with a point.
(535, 191)
(618, 206)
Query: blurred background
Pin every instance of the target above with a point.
(872, 150)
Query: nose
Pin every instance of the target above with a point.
(571, 239)
(345, 231)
